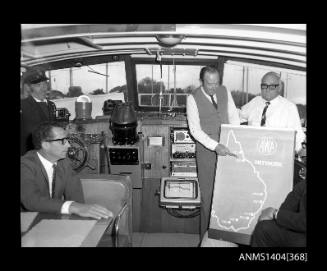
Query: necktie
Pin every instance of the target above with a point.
(213, 102)
(53, 180)
(263, 117)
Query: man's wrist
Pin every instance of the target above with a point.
(73, 208)
(65, 207)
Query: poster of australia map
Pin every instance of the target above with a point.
(260, 177)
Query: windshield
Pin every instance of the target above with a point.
(166, 86)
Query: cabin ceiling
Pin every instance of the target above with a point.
(277, 43)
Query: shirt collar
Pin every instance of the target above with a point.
(39, 101)
(206, 93)
(45, 162)
(273, 101)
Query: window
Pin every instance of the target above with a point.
(166, 90)
(233, 80)
(100, 82)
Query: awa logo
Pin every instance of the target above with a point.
(267, 145)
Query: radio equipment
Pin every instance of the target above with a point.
(183, 169)
(182, 162)
(181, 193)
(62, 114)
(183, 151)
(181, 136)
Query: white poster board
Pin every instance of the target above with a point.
(260, 177)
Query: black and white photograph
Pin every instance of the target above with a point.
(164, 135)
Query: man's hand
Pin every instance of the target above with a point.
(90, 210)
(223, 150)
(267, 214)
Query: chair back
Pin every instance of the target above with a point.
(113, 192)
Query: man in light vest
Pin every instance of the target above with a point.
(208, 107)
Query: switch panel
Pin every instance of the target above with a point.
(123, 156)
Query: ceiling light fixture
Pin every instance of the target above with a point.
(169, 40)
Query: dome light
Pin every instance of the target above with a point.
(169, 39)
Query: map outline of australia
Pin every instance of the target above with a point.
(242, 221)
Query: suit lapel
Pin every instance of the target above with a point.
(38, 108)
(52, 110)
(44, 173)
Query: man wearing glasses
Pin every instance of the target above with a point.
(48, 183)
(272, 110)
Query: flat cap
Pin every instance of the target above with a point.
(34, 76)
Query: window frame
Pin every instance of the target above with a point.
(133, 95)
(266, 64)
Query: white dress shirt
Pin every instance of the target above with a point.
(39, 101)
(194, 119)
(281, 113)
(49, 170)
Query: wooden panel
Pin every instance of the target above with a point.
(157, 156)
(151, 215)
(96, 156)
(137, 199)
(90, 127)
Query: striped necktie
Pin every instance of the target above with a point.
(53, 180)
(213, 102)
(263, 117)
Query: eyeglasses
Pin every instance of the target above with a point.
(63, 140)
(270, 87)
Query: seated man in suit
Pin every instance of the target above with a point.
(48, 183)
(286, 226)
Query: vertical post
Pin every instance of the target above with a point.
(220, 65)
(284, 85)
(70, 77)
(107, 67)
(151, 84)
(174, 70)
(160, 93)
(245, 84)
(152, 79)
(169, 99)
(50, 83)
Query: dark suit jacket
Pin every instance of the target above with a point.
(31, 116)
(292, 213)
(34, 183)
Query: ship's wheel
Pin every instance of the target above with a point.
(77, 153)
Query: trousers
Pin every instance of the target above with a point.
(206, 165)
(268, 233)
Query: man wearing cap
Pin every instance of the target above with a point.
(35, 109)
